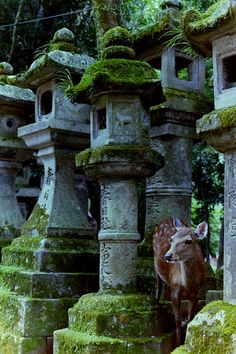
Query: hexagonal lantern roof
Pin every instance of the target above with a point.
(117, 70)
(160, 32)
(60, 56)
(201, 29)
(11, 95)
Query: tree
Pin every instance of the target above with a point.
(20, 40)
(208, 190)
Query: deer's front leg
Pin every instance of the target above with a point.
(176, 305)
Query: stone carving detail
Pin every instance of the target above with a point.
(105, 198)
(230, 194)
(117, 264)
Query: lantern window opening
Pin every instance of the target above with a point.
(156, 64)
(229, 72)
(101, 118)
(10, 123)
(183, 68)
(46, 102)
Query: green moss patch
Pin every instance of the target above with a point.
(113, 74)
(118, 51)
(180, 350)
(129, 153)
(116, 36)
(214, 17)
(37, 222)
(200, 29)
(68, 341)
(217, 120)
(182, 100)
(213, 330)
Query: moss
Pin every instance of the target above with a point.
(37, 222)
(117, 316)
(118, 51)
(213, 330)
(183, 100)
(216, 14)
(117, 153)
(217, 120)
(200, 29)
(180, 350)
(116, 36)
(114, 73)
(159, 30)
(72, 342)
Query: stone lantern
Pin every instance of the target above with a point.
(173, 126)
(15, 106)
(120, 90)
(55, 259)
(214, 33)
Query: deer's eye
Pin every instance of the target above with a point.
(188, 242)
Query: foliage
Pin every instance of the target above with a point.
(208, 190)
(30, 36)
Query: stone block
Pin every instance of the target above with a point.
(214, 295)
(28, 317)
(47, 285)
(131, 315)
(181, 71)
(69, 341)
(224, 55)
(14, 344)
(119, 119)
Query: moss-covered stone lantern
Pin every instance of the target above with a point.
(120, 90)
(214, 32)
(15, 106)
(55, 259)
(173, 128)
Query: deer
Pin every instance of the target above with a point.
(178, 262)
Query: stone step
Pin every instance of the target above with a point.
(70, 341)
(29, 317)
(14, 344)
(120, 315)
(47, 285)
(51, 261)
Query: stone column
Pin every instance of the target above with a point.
(15, 106)
(119, 156)
(118, 260)
(218, 130)
(55, 259)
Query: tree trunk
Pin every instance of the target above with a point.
(220, 261)
(14, 30)
(106, 14)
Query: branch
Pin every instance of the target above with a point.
(14, 30)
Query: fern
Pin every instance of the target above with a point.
(65, 84)
(178, 39)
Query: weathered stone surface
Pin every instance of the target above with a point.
(15, 105)
(212, 330)
(115, 324)
(202, 29)
(120, 120)
(50, 65)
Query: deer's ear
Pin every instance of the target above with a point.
(201, 230)
(177, 222)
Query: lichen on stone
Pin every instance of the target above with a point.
(37, 222)
(213, 330)
(109, 153)
(217, 120)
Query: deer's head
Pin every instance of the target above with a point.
(184, 240)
